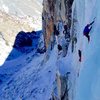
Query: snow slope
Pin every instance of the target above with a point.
(88, 82)
(33, 81)
(29, 77)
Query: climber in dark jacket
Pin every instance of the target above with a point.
(80, 55)
(87, 29)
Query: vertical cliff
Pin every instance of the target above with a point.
(56, 22)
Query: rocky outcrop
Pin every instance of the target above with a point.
(24, 39)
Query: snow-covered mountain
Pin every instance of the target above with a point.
(22, 8)
(58, 73)
(29, 9)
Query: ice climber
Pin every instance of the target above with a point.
(87, 29)
(80, 55)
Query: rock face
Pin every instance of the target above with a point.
(56, 19)
(56, 13)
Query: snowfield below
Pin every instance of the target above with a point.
(29, 78)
